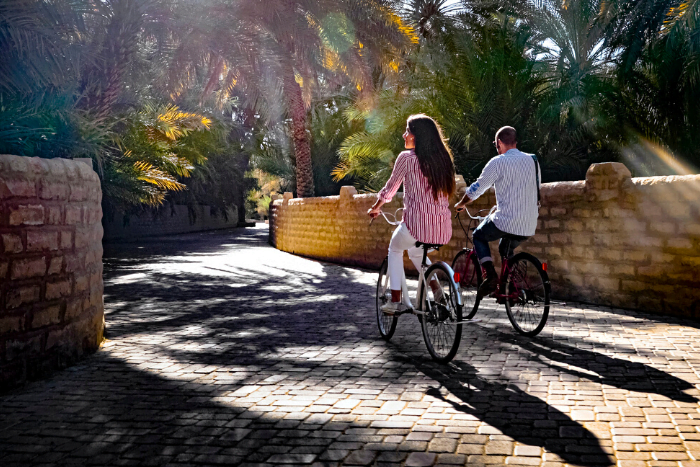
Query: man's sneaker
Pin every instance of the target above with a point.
(489, 285)
(393, 308)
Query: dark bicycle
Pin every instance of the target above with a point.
(523, 287)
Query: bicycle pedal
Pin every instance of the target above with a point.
(469, 321)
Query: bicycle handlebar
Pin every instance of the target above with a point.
(384, 214)
(476, 218)
(395, 222)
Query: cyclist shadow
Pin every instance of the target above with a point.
(515, 413)
(611, 371)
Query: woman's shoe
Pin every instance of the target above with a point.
(393, 308)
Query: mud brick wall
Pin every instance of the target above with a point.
(610, 239)
(51, 309)
(169, 221)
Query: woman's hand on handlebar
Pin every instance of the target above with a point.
(462, 204)
(376, 209)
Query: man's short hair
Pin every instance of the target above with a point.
(507, 135)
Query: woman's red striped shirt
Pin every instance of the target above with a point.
(429, 221)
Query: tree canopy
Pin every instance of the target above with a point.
(202, 101)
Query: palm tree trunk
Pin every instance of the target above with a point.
(120, 44)
(243, 187)
(302, 147)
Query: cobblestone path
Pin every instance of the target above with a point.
(223, 350)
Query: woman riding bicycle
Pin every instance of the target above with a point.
(427, 172)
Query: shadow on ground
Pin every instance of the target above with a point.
(224, 350)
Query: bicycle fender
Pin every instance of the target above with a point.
(452, 277)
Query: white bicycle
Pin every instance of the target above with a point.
(437, 303)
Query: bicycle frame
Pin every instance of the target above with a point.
(505, 266)
(422, 285)
(516, 287)
(499, 294)
(422, 282)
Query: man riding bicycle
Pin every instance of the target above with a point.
(515, 176)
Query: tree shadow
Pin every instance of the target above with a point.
(195, 334)
(121, 415)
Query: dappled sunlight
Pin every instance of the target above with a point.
(290, 361)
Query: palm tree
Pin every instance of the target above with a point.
(320, 42)
(429, 17)
(490, 80)
(657, 48)
(580, 76)
(473, 77)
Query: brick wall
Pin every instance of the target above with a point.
(51, 309)
(168, 221)
(610, 240)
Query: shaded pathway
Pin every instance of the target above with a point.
(223, 350)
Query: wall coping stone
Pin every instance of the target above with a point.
(609, 239)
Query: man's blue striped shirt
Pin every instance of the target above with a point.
(512, 174)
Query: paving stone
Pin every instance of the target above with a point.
(333, 455)
(292, 459)
(420, 459)
(360, 458)
(224, 350)
(451, 459)
(442, 445)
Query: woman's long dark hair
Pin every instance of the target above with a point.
(434, 157)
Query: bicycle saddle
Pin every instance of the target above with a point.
(428, 245)
(515, 237)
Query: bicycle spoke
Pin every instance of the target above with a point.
(468, 273)
(527, 302)
(440, 331)
(385, 323)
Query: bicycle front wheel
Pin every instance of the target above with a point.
(527, 290)
(468, 275)
(386, 323)
(441, 321)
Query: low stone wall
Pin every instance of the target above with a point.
(168, 221)
(610, 240)
(51, 309)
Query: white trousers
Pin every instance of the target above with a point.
(402, 240)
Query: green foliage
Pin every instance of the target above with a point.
(177, 105)
(79, 79)
(153, 152)
(367, 156)
(560, 71)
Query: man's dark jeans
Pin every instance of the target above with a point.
(488, 232)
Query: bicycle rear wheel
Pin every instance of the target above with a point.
(442, 313)
(468, 275)
(387, 324)
(528, 309)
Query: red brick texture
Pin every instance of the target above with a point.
(609, 240)
(51, 310)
